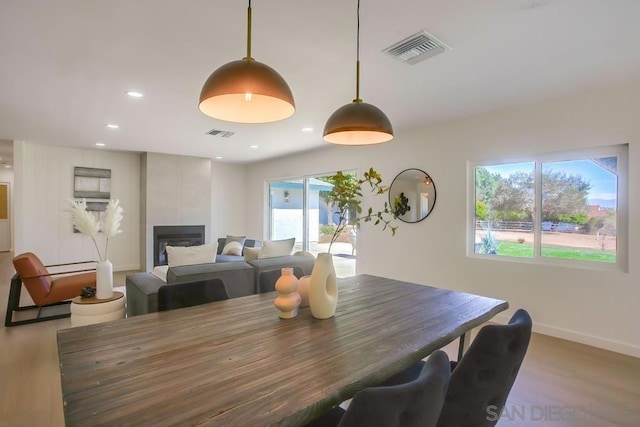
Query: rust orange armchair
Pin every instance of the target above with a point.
(44, 289)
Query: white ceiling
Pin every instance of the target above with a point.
(65, 65)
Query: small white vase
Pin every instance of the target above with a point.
(323, 288)
(104, 280)
(288, 299)
(303, 290)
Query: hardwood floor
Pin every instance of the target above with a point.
(561, 383)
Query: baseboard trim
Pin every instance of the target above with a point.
(579, 337)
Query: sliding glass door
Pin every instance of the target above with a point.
(301, 208)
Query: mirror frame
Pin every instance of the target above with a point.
(392, 195)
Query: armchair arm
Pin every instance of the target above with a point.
(59, 273)
(70, 263)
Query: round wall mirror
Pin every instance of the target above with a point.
(412, 195)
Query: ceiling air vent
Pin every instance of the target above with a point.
(220, 133)
(416, 48)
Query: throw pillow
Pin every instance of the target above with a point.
(251, 254)
(274, 248)
(189, 255)
(239, 239)
(232, 248)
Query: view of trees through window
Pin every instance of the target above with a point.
(577, 200)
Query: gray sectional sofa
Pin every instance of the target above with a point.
(240, 278)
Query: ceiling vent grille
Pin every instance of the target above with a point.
(416, 48)
(220, 133)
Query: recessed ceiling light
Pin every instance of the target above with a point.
(307, 130)
(219, 157)
(100, 144)
(253, 146)
(7, 166)
(112, 126)
(134, 94)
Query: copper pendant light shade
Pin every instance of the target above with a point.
(247, 91)
(358, 123)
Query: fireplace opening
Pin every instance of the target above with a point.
(174, 235)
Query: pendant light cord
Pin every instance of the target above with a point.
(358, 100)
(248, 57)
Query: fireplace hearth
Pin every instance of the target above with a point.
(174, 235)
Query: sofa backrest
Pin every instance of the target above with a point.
(303, 263)
(238, 277)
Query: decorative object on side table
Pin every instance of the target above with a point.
(288, 299)
(87, 224)
(345, 197)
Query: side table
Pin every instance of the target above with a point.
(86, 311)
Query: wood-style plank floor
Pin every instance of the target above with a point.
(561, 383)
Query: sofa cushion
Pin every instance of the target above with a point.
(248, 243)
(276, 248)
(189, 255)
(228, 258)
(160, 271)
(251, 254)
(232, 248)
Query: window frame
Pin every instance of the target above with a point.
(622, 214)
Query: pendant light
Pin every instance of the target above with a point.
(246, 91)
(358, 123)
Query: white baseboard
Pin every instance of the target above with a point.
(579, 337)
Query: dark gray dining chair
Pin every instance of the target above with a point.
(414, 404)
(482, 379)
(189, 294)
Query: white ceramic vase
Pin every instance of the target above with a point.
(104, 280)
(323, 288)
(288, 299)
(303, 290)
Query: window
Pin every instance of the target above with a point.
(568, 207)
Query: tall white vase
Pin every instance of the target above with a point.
(104, 280)
(323, 289)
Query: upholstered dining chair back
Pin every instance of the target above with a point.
(482, 379)
(43, 288)
(189, 294)
(414, 404)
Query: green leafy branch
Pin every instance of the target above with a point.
(346, 197)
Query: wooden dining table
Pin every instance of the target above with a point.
(236, 363)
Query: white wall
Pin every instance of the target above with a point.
(597, 308)
(6, 175)
(228, 196)
(43, 184)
